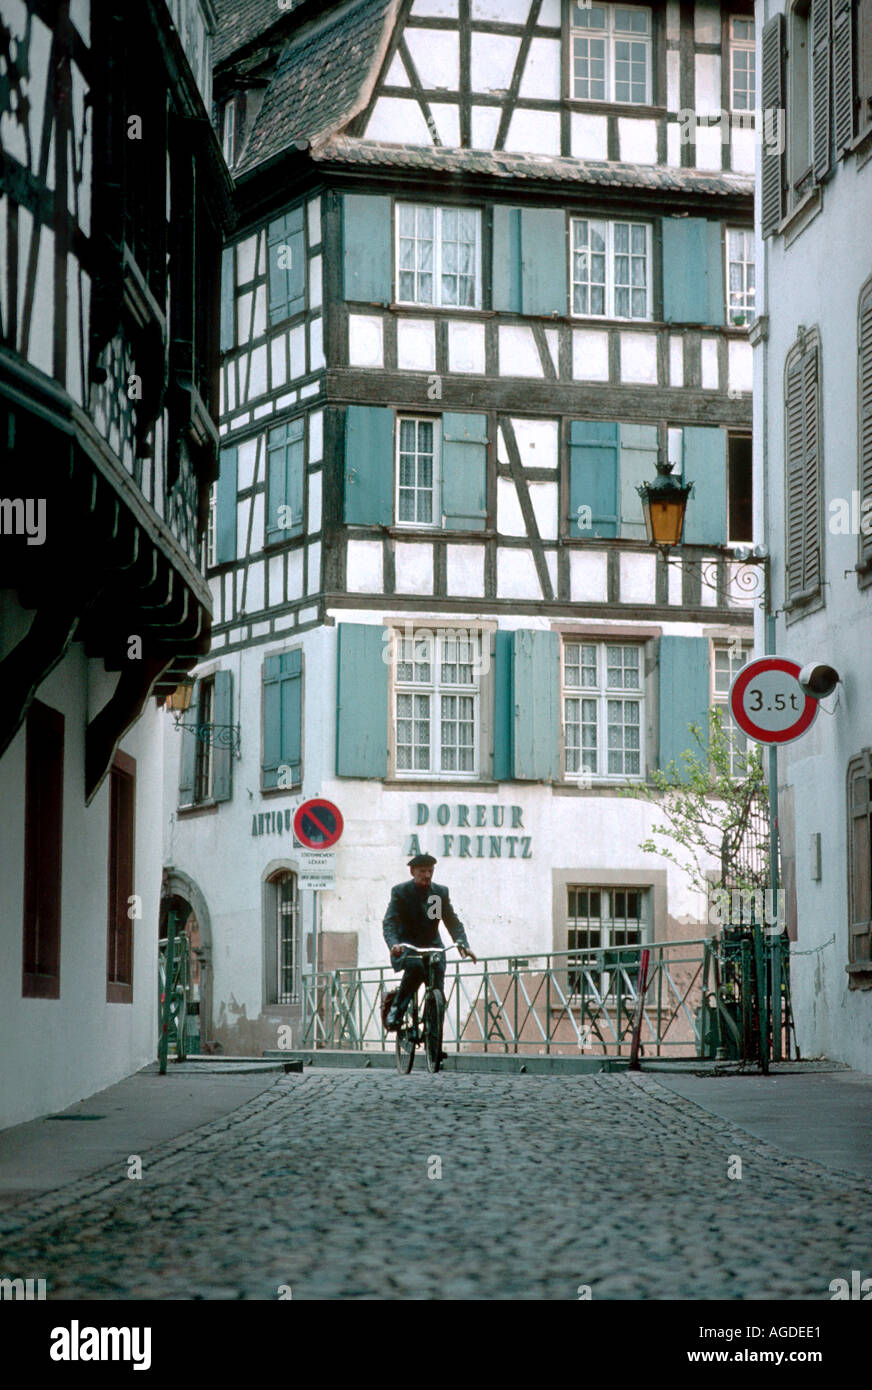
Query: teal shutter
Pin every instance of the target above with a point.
(593, 476)
(638, 465)
(369, 465)
(464, 472)
(287, 280)
(543, 253)
(228, 290)
(684, 696)
(693, 274)
(282, 717)
(536, 700)
(502, 768)
(507, 259)
(190, 743)
(362, 701)
(225, 507)
(222, 769)
(705, 465)
(285, 469)
(366, 233)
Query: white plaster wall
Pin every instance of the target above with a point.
(535, 132)
(446, 115)
(673, 88)
(436, 55)
(416, 345)
(589, 136)
(639, 358)
(543, 497)
(436, 9)
(537, 442)
(485, 124)
(709, 359)
(709, 147)
(364, 567)
(676, 360)
(673, 145)
(590, 355)
(743, 152)
(510, 519)
(492, 61)
(464, 567)
(398, 120)
(707, 70)
(396, 75)
(741, 365)
(637, 140)
(707, 22)
(516, 575)
(466, 349)
(637, 577)
(505, 11)
(518, 353)
(588, 575)
(413, 562)
(365, 340)
(541, 79)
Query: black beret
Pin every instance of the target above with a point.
(421, 861)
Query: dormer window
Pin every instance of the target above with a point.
(228, 130)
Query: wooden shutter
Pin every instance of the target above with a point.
(802, 467)
(593, 476)
(43, 845)
(503, 720)
(507, 259)
(225, 507)
(864, 393)
(222, 753)
(685, 696)
(366, 231)
(536, 701)
(119, 953)
(860, 851)
(843, 74)
(287, 283)
(228, 294)
(285, 473)
(464, 472)
(188, 751)
(543, 261)
(369, 465)
(820, 61)
(693, 271)
(362, 700)
(638, 464)
(863, 45)
(794, 484)
(705, 465)
(282, 717)
(772, 99)
(811, 559)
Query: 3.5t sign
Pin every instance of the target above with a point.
(768, 703)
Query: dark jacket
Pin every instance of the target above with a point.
(414, 915)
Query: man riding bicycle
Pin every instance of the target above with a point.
(415, 910)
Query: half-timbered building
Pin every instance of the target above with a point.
(114, 202)
(494, 260)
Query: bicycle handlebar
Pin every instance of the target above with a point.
(426, 950)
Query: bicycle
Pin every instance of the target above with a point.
(409, 1034)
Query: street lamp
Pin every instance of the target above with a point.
(664, 503)
(221, 735)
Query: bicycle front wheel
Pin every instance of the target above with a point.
(405, 1042)
(434, 1009)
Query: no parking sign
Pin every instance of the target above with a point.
(768, 703)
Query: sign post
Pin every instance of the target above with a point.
(318, 825)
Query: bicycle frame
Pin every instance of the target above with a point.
(411, 1037)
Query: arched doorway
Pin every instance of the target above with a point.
(180, 891)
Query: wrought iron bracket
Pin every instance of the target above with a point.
(219, 735)
(747, 578)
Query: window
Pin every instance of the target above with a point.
(43, 838)
(285, 474)
(799, 100)
(742, 61)
(729, 660)
(739, 489)
(417, 473)
(601, 919)
(860, 860)
(437, 704)
(286, 260)
(228, 131)
(283, 938)
(741, 309)
(602, 709)
(203, 756)
(610, 261)
(283, 720)
(611, 54)
(803, 443)
(119, 955)
(210, 542)
(864, 65)
(438, 252)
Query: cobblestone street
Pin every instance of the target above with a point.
(322, 1184)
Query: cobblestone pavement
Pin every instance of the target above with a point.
(547, 1183)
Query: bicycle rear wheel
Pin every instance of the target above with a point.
(406, 1036)
(434, 1010)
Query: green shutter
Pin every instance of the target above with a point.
(225, 507)
(369, 465)
(536, 699)
(772, 158)
(693, 276)
(593, 477)
(188, 758)
(222, 771)
(228, 290)
(282, 717)
(362, 701)
(543, 254)
(366, 239)
(705, 465)
(638, 465)
(684, 696)
(285, 470)
(287, 283)
(464, 472)
(502, 769)
(507, 259)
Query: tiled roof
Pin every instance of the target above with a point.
(343, 149)
(240, 21)
(319, 80)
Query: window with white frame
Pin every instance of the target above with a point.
(729, 660)
(603, 701)
(741, 297)
(438, 256)
(604, 919)
(417, 472)
(437, 704)
(610, 269)
(743, 75)
(611, 53)
(211, 526)
(228, 130)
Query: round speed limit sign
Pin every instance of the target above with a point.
(767, 703)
